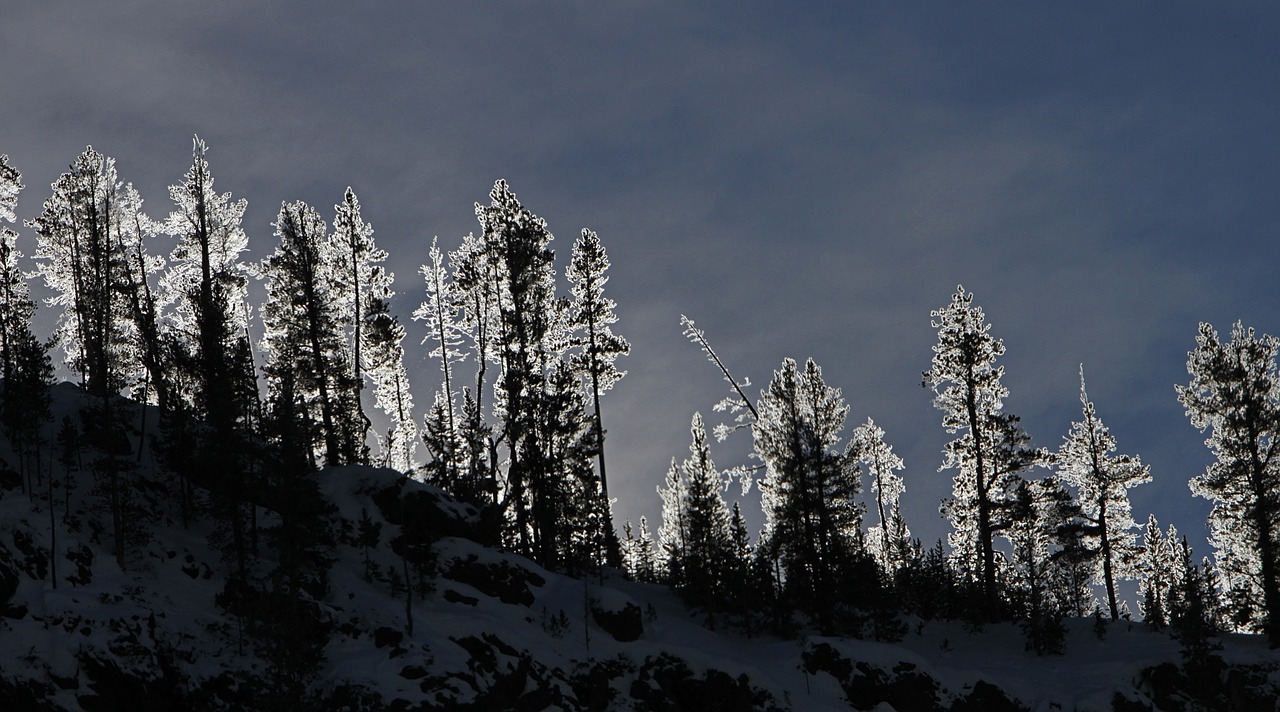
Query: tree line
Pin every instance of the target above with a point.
(1036, 535)
(157, 309)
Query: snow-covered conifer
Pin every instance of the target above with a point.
(530, 333)
(888, 540)
(672, 540)
(383, 356)
(567, 508)
(440, 311)
(707, 549)
(303, 334)
(207, 282)
(27, 371)
(1087, 461)
(593, 316)
(144, 305)
(10, 187)
(16, 306)
(82, 264)
(637, 552)
(1156, 567)
(1039, 511)
(358, 274)
(991, 448)
(809, 492)
(1234, 393)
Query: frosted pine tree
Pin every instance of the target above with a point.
(529, 329)
(16, 306)
(303, 342)
(26, 368)
(359, 279)
(477, 286)
(1234, 393)
(207, 281)
(476, 270)
(569, 512)
(991, 448)
(637, 552)
(144, 304)
(358, 274)
(82, 263)
(440, 311)
(1087, 461)
(809, 490)
(593, 315)
(1156, 566)
(889, 540)
(204, 374)
(708, 543)
(1039, 510)
(672, 537)
(383, 356)
(10, 187)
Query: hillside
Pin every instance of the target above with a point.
(419, 614)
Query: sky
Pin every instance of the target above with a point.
(801, 179)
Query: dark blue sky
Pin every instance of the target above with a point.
(802, 181)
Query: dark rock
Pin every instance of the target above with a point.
(593, 686)
(426, 514)
(507, 679)
(864, 686)
(26, 695)
(8, 579)
(413, 672)
(985, 697)
(10, 479)
(384, 636)
(625, 625)
(82, 557)
(34, 559)
(501, 580)
(454, 597)
(667, 683)
(1120, 703)
(116, 689)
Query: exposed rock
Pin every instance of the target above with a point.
(383, 637)
(453, 596)
(497, 579)
(666, 683)
(985, 697)
(624, 625)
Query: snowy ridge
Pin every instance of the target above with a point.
(492, 630)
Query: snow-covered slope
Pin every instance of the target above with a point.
(491, 630)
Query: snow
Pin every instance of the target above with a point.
(177, 575)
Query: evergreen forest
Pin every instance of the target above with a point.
(201, 411)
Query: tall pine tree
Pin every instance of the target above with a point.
(307, 359)
(593, 316)
(16, 306)
(889, 540)
(82, 263)
(704, 555)
(991, 448)
(1234, 393)
(359, 280)
(1087, 462)
(809, 490)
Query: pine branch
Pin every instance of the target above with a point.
(698, 337)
